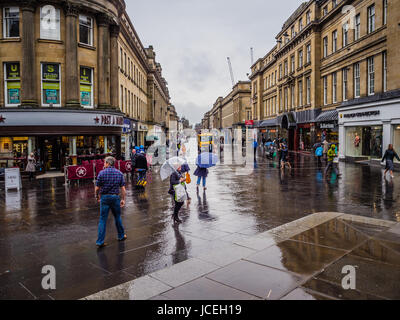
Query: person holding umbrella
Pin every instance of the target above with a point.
(172, 168)
(204, 161)
(201, 173)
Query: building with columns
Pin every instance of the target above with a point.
(75, 77)
(333, 73)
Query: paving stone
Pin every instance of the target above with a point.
(146, 287)
(377, 251)
(334, 234)
(226, 254)
(184, 272)
(302, 258)
(206, 289)
(367, 220)
(256, 280)
(372, 277)
(303, 294)
(336, 291)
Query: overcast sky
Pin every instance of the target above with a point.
(193, 38)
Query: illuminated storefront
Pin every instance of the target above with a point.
(366, 130)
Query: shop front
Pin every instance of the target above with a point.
(366, 130)
(288, 130)
(327, 127)
(268, 130)
(58, 137)
(142, 133)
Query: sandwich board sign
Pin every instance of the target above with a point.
(12, 178)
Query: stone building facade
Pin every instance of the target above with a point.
(75, 77)
(328, 54)
(232, 111)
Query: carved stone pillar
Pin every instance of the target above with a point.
(28, 73)
(103, 70)
(114, 74)
(71, 57)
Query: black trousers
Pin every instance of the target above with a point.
(178, 206)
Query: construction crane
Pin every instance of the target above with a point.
(231, 72)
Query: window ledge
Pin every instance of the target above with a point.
(16, 39)
(86, 46)
(50, 41)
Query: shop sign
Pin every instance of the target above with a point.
(249, 122)
(362, 114)
(111, 120)
(12, 71)
(134, 126)
(127, 126)
(143, 127)
(51, 71)
(327, 125)
(12, 178)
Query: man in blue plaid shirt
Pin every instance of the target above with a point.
(108, 183)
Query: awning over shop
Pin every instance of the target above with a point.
(326, 116)
(269, 123)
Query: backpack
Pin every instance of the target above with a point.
(319, 152)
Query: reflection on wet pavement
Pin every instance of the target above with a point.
(48, 223)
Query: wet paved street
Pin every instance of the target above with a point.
(49, 223)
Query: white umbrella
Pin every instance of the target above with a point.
(170, 166)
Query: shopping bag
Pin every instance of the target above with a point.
(336, 160)
(188, 179)
(180, 192)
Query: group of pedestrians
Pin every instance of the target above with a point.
(278, 147)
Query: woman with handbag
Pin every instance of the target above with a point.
(31, 166)
(177, 181)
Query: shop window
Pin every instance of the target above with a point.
(364, 141)
(51, 84)
(12, 83)
(11, 22)
(396, 139)
(49, 23)
(86, 87)
(85, 30)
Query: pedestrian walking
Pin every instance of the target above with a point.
(284, 154)
(31, 166)
(255, 145)
(319, 153)
(176, 179)
(331, 160)
(201, 174)
(108, 185)
(326, 148)
(389, 155)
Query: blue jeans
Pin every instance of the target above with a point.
(108, 202)
(199, 179)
